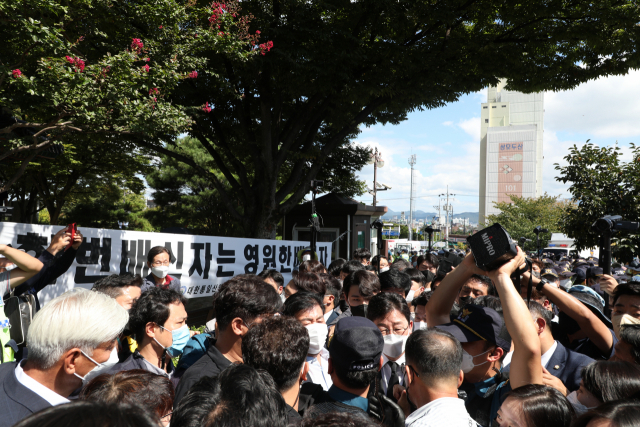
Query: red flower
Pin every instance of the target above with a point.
(193, 74)
(145, 68)
(137, 45)
(160, 27)
(79, 64)
(266, 47)
(218, 9)
(147, 59)
(16, 73)
(206, 108)
(69, 59)
(154, 90)
(257, 32)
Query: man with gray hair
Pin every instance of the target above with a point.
(70, 337)
(433, 372)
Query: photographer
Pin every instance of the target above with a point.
(52, 268)
(583, 327)
(481, 332)
(27, 267)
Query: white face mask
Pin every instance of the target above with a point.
(419, 326)
(317, 337)
(383, 269)
(104, 366)
(283, 297)
(412, 316)
(394, 345)
(99, 367)
(161, 271)
(409, 297)
(577, 406)
(467, 361)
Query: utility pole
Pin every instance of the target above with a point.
(412, 162)
(377, 161)
(439, 215)
(447, 208)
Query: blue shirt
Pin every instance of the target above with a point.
(347, 398)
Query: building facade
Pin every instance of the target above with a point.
(511, 137)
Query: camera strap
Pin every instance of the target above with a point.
(516, 279)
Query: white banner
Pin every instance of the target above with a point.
(201, 263)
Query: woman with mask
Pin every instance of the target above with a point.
(308, 309)
(159, 262)
(605, 381)
(390, 313)
(534, 405)
(158, 320)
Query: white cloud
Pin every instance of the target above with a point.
(606, 107)
(471, 127)
(447, 123)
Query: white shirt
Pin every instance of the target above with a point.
(4, 282)
(544, 359)
(446, 411)
(319, 371)
(47, 394)
(386, 371)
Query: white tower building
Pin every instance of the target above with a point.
(511, 133)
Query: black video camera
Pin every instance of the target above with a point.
(492, 247)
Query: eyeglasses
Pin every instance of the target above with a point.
(397, 331)
(166, 415)
(159, 263)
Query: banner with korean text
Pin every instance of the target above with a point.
(201, 263)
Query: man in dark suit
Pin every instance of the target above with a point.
(70, 337)
(560, 363)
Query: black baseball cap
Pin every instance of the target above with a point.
(475, 323)
(549, 272)
(580, 275)
(594, 272)
(356, 345)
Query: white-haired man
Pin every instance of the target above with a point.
(71, 336)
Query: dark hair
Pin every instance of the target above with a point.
(336, 266)
(375, 259)
(336, 419)
(279, 345)
(609, 381)
(430, 258)
(356, 379)
(416, 276)
(196, 405)
(333, 285)
(631, 288)
(134, 387)
(631, 335)
(157, 250)
(489, 301)
(245, 396)
(301, 301)
(422, 299)
(543, 406)
(367, 282)
(91, 414)
(245, 297)
(114, 284)
(537, 310)
(152, 306)
(434, 354)
(486, 281)
(274, 275)
(621, 413)
(362, 254)
(351, 267)
(312, 266)
(309, 282)
(395, 279)
(400, 264)
(384, 303)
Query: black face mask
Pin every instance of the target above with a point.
(359, 310)
(567, 324)
(343, 305)
(465, 300)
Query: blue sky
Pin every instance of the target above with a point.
(446, 141)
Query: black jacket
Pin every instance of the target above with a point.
(16, 401)
(209, 365)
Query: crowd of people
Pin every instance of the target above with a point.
(424, 340)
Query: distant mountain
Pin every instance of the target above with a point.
(472, 216)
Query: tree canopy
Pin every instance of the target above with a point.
(523, 214)
(601, 183)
